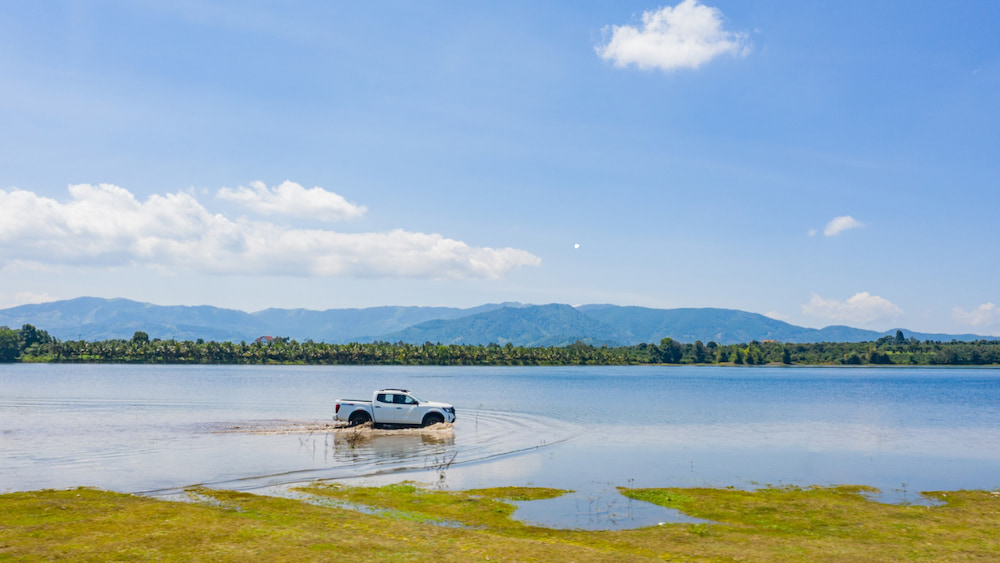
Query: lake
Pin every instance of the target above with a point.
(157, 429)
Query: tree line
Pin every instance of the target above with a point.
(30, 344)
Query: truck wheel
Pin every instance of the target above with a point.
(433, 418)
(357, 418)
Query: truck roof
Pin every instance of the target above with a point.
(393, 389)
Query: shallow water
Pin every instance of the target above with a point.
(155, 429)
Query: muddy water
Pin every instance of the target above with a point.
(155, 429)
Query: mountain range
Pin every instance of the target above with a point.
(92, 318)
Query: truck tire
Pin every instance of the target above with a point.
(359, 417)
(432, 418)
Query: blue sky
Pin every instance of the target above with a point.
(822, 163)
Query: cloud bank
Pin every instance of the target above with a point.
(986, 314)
(861, 308)
(840, 224)
(685, 36)
(106, 226)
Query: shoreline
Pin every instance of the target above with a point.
(406, 522)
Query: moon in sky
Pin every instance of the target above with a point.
(577, 245)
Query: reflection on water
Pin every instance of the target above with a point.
(157, 429)
(376, 450)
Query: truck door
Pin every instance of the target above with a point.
(406, 410)
(384, 409)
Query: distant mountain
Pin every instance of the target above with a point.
(938, 336)
(92, 318)
(540, 325)
(350, 325)
(725, 326)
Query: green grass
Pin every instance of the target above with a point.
(478, 508)
(775, 524)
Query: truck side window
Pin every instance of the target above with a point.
(384, 397)
(404, 400)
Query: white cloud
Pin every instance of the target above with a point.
(840, 224)
(862, 308)
(294, 200)
(685, 36)
(776, 316)
(106, 225)
(986, 314)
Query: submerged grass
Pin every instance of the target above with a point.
(783, 524)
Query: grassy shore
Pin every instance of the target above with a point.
(416, 524)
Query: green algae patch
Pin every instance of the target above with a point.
(774, 524)
(519, 493)
(835, 524)
(91, 525)
(477, 508)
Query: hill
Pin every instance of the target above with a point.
(725, 326)
(541, 325)
(90, 318)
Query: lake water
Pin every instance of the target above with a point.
(157, 429)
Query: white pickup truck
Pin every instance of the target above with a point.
(395, 407)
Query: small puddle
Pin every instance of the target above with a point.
(607, 511)
(902, 497)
